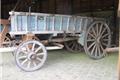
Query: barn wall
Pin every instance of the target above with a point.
(58, 6)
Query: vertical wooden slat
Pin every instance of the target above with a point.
(53, 25)
(61, 22)
(80, 24)
(75, 19)
(36, 23)
(26, 24)
(45, 23)
(15, 21)
(68, 23)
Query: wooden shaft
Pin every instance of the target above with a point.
(115, 49)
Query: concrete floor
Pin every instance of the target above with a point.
(62, 65)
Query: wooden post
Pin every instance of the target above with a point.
(119, 39)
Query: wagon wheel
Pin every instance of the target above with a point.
(73, 46)
(7, 42)
(30, 55)
(97, 38)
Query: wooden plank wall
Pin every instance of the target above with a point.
(60, 6)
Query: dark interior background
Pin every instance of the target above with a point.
(92, 8)
(59, 6)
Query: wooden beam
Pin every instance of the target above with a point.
(115, 49)
(119, 40)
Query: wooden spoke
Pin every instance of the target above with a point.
(39, 59)
(93, 49)
(103, 31)
(29, 64)
(33, 47)
(70, 44)
(94, 31)
(105, 44)
(101, 26)
(105, 35)
(97, 25)
(23, 51)
(91, 45)
(91, 35)
(39, 54)
(101, 47)
(24, 61)
(37, 49)
(22, 57)
(27, 47)
(34, 64)
(99, 52)
(73, 46)
(105, 39)
(90, 40)
(76, 47)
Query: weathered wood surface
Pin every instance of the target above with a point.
(115, 49)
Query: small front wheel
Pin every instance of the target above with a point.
(30, 55)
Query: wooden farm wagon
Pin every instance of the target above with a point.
(32, 34)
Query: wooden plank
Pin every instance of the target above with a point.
(115, 49)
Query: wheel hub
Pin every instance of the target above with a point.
(98, 40)
(32, 56)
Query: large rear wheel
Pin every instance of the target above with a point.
(97, 39)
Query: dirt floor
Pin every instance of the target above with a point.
(63, 65)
